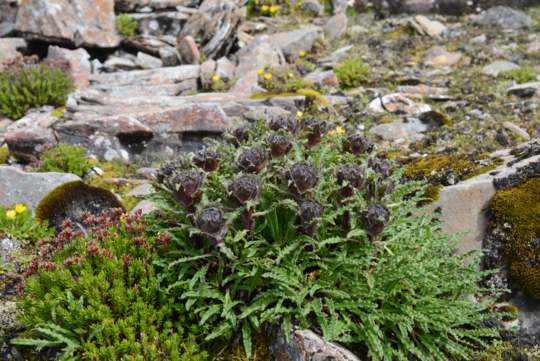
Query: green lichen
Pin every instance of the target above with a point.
(517, 210)
(465, 167)
(509, 309)
(4, 155)
(433, 193)
(130, 203)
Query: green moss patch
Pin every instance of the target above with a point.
(4, 155)
(517, 213)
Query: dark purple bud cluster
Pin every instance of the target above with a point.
(288, 124)
(207, 159)
(355, 178)
(243, 189)
(279, 145)
(212, 222)
(185, 187)
(241, 134)
(314, 130)
(375, 219)
(252, 160)
(358, 145)
(166, 170)
(309, 211)
(301, 178)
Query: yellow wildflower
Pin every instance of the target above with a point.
(260, 71)
(265, 8)
(291, 75)
(216, 77)
(273, 9)
(299, 4)
(299, 113)
(20, 208)
(338, 130)
(11, 215)
(123, 217)
(268, 76)
(302, 53)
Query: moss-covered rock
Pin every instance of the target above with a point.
(516, 224)
(4, 155)
(70, 200)
(509, 309)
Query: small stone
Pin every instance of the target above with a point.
(142, 190)
(247, 84)
(312, 6)
(525, 90)
(339, 6)
(258, 54)
(146, 206)
(79, 64)
(325, 79)
(121, 63)
(225, 69)
(505, 17)
(207, 68)
(169, 56)
(498, 67)
(292, 42)
(516, 130)
(410, 128)
(148, 62)
(533, 47)
(336, 26)
(189, 51)
(438, 56)
(359, 29)
(432, 28)
(479, 39)
(397, 104)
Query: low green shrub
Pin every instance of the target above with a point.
(521, 75)
(285, 225)
(32, 85)
(126, 25)
(352, 73)
(95, 297)
(18, 221)
(64, 159)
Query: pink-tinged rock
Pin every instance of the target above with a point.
(259, 53)
(10, 48)
(189, 51)
(225, 69)
(82, 23)
(533, 47)
(28, 134)
(207, 68)
(8, 15)
(326, 79)
(79, 64)
(438, 56)
(292, 42)
(247, 84)
(336, 26)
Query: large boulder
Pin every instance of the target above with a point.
(292, 42)
(8, 15)
(504, 17)
(258, 54)
(11, 48)
(18, 187)
(80, 23)
(79, 64)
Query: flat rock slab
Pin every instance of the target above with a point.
(17, 186)
(529, 314)
(292, 42)
(397, 104)
(141, 190)
(499, 67)
(525, 90)
(170, 81)
(81, 23)
(132, 127)
(505, 17)
(411, 128)
(464, 206)
(258, 54)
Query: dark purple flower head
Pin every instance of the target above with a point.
(211, 222)
(279, 145)
(167, 169)
(241, 134)
(252, 160)
(207, 159)
(380, 166)
(357, 145)
(301, 178)
(280, 122)
(375, 219)
(310, 210)
(185, 187)
(243, 189)
(354, 176)
(314, 130)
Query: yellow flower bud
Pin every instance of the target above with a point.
(302, 53)
(268, 76)
(260, 71)
(273, 9)
(216, 77)
(11, 215)
(299, 113)
(20, 208)
(264, 8)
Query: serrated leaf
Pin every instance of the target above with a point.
(246, 333)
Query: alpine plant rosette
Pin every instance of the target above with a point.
(286, 224)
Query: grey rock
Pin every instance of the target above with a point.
(257, 113)
(339, 6)
(464, 206)
(249, 83)
(162, 81)
(398, 104)
(504, 17)
(525, 90)
(141, 190)
(17, 186)
(516, 130)
(292, 42)
(146, 61)
(146, 206)
(359, 29)
(8, 16)
(499, 67)
(528, 314)
(28, 134)
(336, 26)
(79, 64)
(479, 39)
(149, 44)
(337, 55)
(325, 79)
(189, 51)
(10, 48)
(305, 345)
(259, 53)
(225, 69)
(312, 6)
(438, 56)
(169, 56)
(409, 128)
(159, 24)
(82, 23)
(424, 26)
(149, 171)
(115, 62)
(207, 69)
